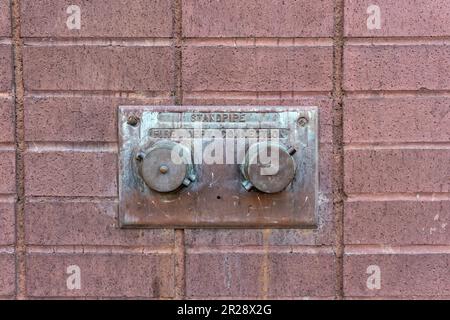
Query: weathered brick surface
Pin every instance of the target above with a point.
(7, 172)
(400, 18)
(71, 173)
(70, 119)
(396, 160)
(215, 274)
(7, 220)
(257, 69)
(397, 222)
(6, 68)
(77, 119)
(98, 68)
(319, 283)
(7, 276)
(402, 275)
(100, 18)
(84, 223)
(6, 120)
(406, 170)
(102, 275)
(267, 18)
(396, 67)
(7, 160)
(5, 18)
(325, 168)
(396, 120)
(396, 131)
(223, 237)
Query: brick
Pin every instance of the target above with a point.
(243, 274)
(6, 120)
(267, 18)
(406, 170)
(7, 222)
(325, 168)
(7, 172)
(402, 275)
(71, 119)
(389, 67)
(84, 223)
(302, 274)
(5, 68)
(393, 120)
(98, 68)
(102, 275)
(77, 119)
(400, 18)
(7, 276)
(257, 69)
(223, 237)
(397, 222)
(70, 173)
(232, 274)
(5, 18)
(100, 18)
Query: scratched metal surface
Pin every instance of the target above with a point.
(217, 199)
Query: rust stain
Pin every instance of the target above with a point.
(265, 268)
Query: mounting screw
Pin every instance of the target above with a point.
(140, 156)
(133, 120)
(302, 121)
(164, 169)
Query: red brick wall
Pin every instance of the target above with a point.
(383, 93)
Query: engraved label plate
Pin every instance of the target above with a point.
(218, 167)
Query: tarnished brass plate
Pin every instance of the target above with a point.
(216, 193)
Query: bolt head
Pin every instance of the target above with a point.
(164, 169)
(140, 156)
(302, 121)
(133, 120)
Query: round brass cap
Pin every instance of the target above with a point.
(268, 167)
(162, 170)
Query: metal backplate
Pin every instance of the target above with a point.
(217, 198)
